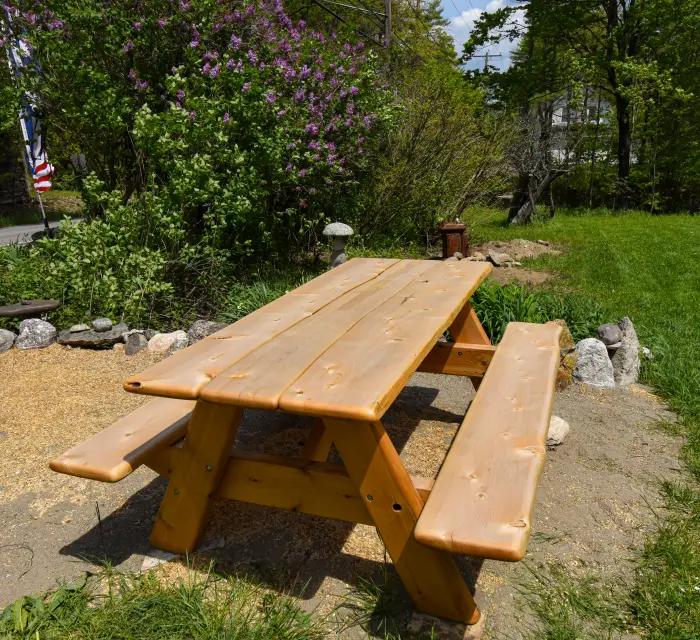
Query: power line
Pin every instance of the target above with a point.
(459, 13)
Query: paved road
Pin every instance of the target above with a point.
(22, 234)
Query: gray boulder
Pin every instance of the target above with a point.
(558, 430)
(94, 339)
(101, 324)
(593, 365)
(626, 361)
(77, 328)
(135, 342)
(7, 339)
(609, 334)
(35, 334)
(203, 328)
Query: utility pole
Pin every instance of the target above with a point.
(486, 57)
(387, 24)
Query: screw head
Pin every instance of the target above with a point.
(208, 467)
(177, 492)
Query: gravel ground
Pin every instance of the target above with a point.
(594, 499)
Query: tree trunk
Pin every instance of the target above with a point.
(624, 149)
(525, 213)
(520, 195)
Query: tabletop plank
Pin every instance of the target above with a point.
(362, 373)
(259, 379)
(184, 374)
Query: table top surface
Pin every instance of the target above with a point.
(342, 345)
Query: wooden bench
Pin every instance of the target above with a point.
(114, 453)
(482, 501)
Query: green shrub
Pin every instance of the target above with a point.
(498, 305)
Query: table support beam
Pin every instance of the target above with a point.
(315, 488)
(459, 359)
(466, 328)
(429, 575)
(199, 469)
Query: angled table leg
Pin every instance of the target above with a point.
(205, 452)
(318, 443)
(429, 575)
(467, 328)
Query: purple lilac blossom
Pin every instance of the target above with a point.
(180, 95)
(270, 97)
(192, 115)
(227, 118)
(245, 87)
(128, 46)
(214, 72)
(235, 42)
(252, 57)
(162, 22)
(137, 26)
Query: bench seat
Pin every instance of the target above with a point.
(115, 452)
(483, 497)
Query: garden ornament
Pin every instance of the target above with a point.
(340, 232)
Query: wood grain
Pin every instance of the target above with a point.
(362, 373)
(482, 501)
(115, 452)
(429, 575)
(185, 373)
(258, 380)
(196, 475)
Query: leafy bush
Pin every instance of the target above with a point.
(497, 305)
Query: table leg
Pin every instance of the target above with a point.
(205, 452)
(429, 575)
(466, 327)
(318, 442)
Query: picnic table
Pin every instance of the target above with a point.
(341, 348)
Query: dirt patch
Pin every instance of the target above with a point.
(593, 504)
(517, 249)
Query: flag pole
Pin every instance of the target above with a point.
(43, 215)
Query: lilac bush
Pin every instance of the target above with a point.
(246, 128)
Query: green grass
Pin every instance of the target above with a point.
(649, 269)
(142, 607)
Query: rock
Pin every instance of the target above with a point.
(94, 339)
(593, 366)
(135, 342)
(451, 259)
(565, 373)
(35, 334)
(156, 557)
(626, 362)
(7, 339)
(168, 342)
(498, 259)
(458, 255)
(558, 430)
(203, 328)
(568, 356)
(118, 347)
(149, 333)
(609, 333)
(477, 255)
(77, 328)
(646, 352)
(544, 243)
(101, 324)
(516, 264)
(566, 342)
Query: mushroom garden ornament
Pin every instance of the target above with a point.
(340, 233)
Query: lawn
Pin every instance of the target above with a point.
(646, 267)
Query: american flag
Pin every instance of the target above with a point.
(19, 58)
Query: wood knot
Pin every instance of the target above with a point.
(481, 495)
(521, 524)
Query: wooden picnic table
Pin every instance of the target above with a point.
(341, 348)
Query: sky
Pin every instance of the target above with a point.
(463, 13)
